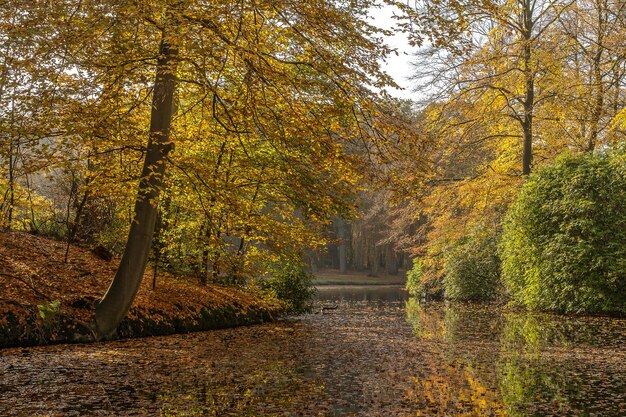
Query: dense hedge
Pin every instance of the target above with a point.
(469, 270)
(564, 243)
(472, 268)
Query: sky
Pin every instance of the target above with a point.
(399, 67)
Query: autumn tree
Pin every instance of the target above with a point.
(504, 82)
(591, 95)
(269, 104)
(493, 52)
(29, 108)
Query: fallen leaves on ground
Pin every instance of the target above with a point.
(33, 273)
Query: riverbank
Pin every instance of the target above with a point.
(45, 300)
(334, 277)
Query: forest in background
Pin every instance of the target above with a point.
(272, 130)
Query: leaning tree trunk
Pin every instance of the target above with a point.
(117, 301)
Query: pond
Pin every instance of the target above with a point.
(362, 352)
(375, 294)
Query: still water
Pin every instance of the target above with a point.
(374, 294)
(364, 351)
(484, 359)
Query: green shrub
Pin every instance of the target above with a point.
(292, 285)
(472, 268)
(414, 279)
(49, 312)
(423, 280)
(564, 242)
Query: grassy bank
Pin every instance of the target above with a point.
(333, 277)
(44, 299)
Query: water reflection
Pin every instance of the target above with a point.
(366, 352)
(358, 293)
(505, 362)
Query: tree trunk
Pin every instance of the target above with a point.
(596, 115)
(391, 260)
(11, 184)
(529, 93)
(374, 261)
(206, 273)
(342, 248)
(119, 297)
(156, 247)
(74, 227)
(597, 108)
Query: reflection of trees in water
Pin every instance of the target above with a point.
(562, 364)
(528, 381)
(525, 364)
(452, 389)
(427, 321)
(449, 384)
(265, 382)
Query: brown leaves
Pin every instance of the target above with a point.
(32, 273)
(361, 359)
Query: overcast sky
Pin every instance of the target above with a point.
(399, 67)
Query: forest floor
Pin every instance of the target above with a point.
(334, 277)
(40, 292)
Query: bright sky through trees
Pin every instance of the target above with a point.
(398, 66)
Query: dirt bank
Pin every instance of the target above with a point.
(45, 300)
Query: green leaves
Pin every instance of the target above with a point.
(49, 310)
(414, 279)
(292, 285)
(564, 245)
(472, 268)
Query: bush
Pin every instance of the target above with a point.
(472, 268)
(414, 279)
(564, 243)
(292, 285)
(423, 280)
